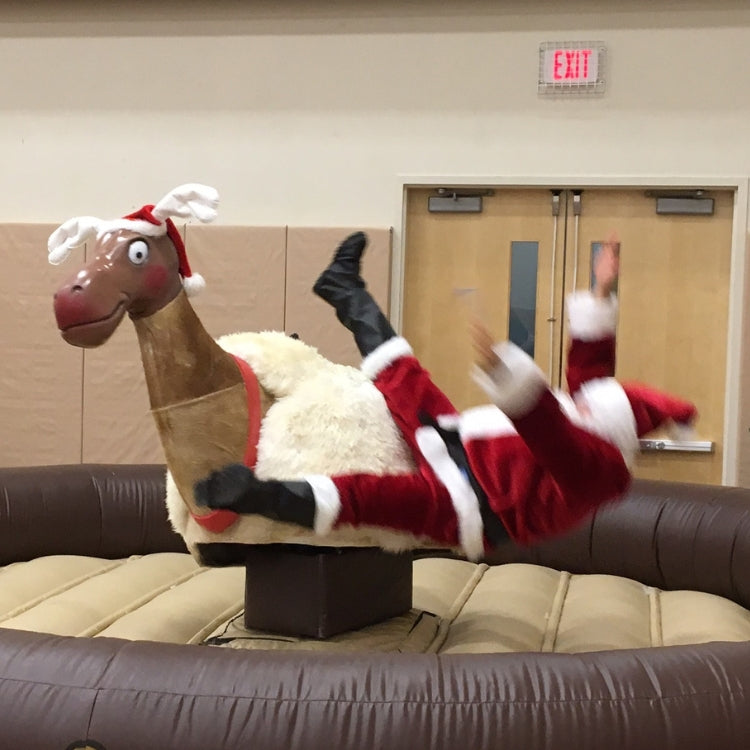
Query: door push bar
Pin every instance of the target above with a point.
(686, 446)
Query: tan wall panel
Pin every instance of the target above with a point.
(244, 272)
(40, 375)
(117, 425)
(309, 250)
(244, 268)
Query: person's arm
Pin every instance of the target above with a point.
(485, 356)
(606, 267)
(508, 375)
(592, 318)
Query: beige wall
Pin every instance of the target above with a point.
(315, 112)
(309, 111)
(61, 404)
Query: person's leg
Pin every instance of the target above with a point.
(410, 394)
(341, 286)
(388, 358)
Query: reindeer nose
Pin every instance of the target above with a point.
(76, 288)
(71, 307)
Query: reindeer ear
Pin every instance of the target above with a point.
(186, 201)
(73, 233)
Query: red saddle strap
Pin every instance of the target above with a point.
(219, 520)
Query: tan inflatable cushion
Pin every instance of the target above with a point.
(459, 607)
(532, 608)
(160, 597)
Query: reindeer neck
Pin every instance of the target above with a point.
(181, 361)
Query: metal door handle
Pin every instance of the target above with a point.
(686, 446)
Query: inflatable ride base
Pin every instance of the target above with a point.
(318, 592)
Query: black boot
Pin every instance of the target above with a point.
(343, 273)
(342, 287)
(235, 487)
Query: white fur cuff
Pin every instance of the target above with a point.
(611, 415)
(386, 354)
(516, 384)
(591, 318)
(327, 502)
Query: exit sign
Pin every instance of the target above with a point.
(572, 67)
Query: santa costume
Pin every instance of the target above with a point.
(530, 465)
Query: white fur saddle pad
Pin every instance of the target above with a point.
(458, 607)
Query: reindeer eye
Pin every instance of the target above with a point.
(138, 252)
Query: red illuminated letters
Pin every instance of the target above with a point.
(571, 64)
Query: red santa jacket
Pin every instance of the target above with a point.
(542, 461)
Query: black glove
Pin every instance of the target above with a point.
(228, 488)
(235, 487)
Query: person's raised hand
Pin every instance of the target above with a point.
(482, 341)
(607, 266)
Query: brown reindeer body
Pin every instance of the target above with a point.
(301, 415)
(197, 393)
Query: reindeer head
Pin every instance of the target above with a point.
(139, 264)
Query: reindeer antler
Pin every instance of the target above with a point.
(190, 200)
(73, 233)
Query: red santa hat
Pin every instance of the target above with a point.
(653, 409)
(153, 220)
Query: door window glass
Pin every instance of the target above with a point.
(524, 264)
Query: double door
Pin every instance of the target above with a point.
(514, 261)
